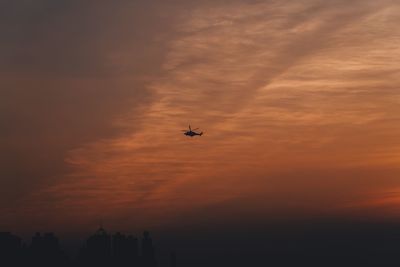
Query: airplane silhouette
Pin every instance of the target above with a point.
(191, 132)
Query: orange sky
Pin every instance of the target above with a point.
(299, 102)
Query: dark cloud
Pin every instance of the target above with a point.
(76, 38)
(68, 69)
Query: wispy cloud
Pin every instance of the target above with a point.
(278, 87)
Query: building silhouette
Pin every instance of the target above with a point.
(100, 249)
(45, 251)
(148, 254)
(97, 250)
(124, 250)
(118, 250)
(10, 250)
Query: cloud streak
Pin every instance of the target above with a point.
(292, 96)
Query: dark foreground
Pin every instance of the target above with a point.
(100, 249)
(283, 246)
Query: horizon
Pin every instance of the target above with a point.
(329, 243)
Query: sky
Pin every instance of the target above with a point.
(299, 102)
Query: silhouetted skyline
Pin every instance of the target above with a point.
(311, 245)
(100, 249)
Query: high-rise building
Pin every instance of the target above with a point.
(97, 251)
(148, 253)
(125, 250)
(10, 249)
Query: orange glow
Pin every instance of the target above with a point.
(299, 102)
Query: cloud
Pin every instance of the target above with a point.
(68, 69)
(278, 87)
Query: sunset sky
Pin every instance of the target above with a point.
(299, 102)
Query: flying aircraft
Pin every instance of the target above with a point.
(191, 132)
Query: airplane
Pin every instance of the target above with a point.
(191, 132)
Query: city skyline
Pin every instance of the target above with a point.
(99, 249)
